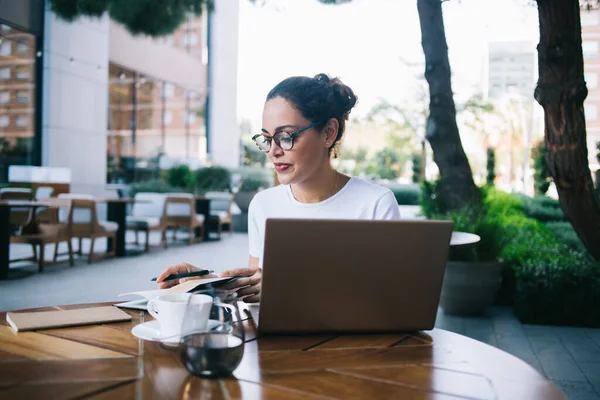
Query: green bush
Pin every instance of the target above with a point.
(407, 194)
(566, 234)
(417, 167)
(542, 208)
(555, 283)
(559, 287)
(541, 176)
(213, 178)
(152, 186)
(431, 203)
(181, 176)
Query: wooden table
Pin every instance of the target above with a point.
(108, 362)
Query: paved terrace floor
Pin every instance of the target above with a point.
(568, 356)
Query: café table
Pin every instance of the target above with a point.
(211, 222)
(117, 212)
(464, 239)
(107, 362)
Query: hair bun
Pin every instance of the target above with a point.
(322, 78)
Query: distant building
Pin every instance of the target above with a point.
(590, 35)
(90, 96)
(512, 67)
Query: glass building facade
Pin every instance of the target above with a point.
(149, 118)
(17, 99)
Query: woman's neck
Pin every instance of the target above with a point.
(328, 183)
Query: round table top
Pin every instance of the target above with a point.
(107, 360)
(464, 239)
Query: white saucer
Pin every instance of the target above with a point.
(151, 331)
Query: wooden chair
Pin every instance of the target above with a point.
(148, 215)
(83, 223)
(18, 215)
(181, 213)
(56, 215)
(43, 192)
(220, 207)
(54, 233)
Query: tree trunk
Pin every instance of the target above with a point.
(561, 91)
(457, 188)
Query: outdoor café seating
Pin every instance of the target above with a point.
(148, 215)
(181, 213)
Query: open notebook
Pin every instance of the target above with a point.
(186, 287)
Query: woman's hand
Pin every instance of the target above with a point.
(180, 268)
(248, 288)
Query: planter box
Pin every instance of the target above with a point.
(470, 287)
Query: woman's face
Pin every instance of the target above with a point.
(309, 154)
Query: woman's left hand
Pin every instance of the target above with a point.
(247, 288)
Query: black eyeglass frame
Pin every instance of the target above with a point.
(276, 135)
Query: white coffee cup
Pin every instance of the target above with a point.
(170, 310)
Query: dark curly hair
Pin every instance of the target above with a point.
(318, 99)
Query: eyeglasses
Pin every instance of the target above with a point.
(283, 139)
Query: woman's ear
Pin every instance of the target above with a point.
(331, 132)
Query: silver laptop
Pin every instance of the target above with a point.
(352, 275)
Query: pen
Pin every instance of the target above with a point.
(185, 275)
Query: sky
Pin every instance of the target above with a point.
(374, 46)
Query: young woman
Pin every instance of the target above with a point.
(303, 120)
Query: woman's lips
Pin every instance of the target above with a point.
(282, 167)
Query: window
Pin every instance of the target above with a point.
(4, 121)
(590, 48)
(190, 39)
(23, 72)
(22, 97)
(5, 73)
(21, 121)
(591, 112)
(167, 118)
(189, 117)
(4, 97)
(22, 47)
(591, 79)
(191, 94)
(6, 48)
(168, 90)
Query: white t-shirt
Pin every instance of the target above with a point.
(358, 199)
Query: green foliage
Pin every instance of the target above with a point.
(556, 281)
(252, 179)
(409, 195)
(431, 202)
(566, 234)
(558, 286)
(213, 178)
(542, 208)
(147, 17)
(541, 176)
(387, 163)
(253, 156)
(181, 176)
(491, 166)
(152, 186)
(486, 221)
(252, 184)
(417, 164)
